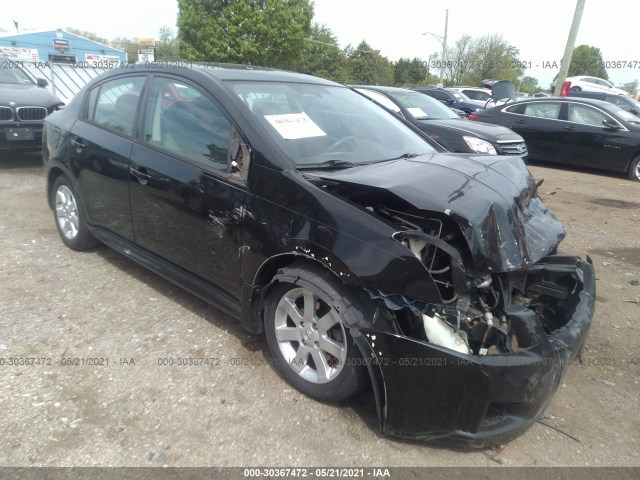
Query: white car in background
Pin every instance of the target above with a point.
(474, 93)
(592, 84)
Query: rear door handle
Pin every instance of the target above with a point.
(520, 121)
(77, 143)
(569, 128)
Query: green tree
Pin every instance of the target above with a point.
(630, 87)
(459, 60)
(262, 32)
(87, 34)
(471, 60)
(367, 66)
(129, 45)
(587, 60)
(322, 56)
(409, 72)
(493, 57)
(529, 85)
(167, 47)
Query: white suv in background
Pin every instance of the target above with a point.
(474, 93)
(592, 84)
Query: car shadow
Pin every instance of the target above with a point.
(14, 160)
(363, 404)
(178, 295)
(578, 169)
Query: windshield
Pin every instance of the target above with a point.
(10, 73)
(627, 116)
(328, 125)
(461, 97)
(423, 107)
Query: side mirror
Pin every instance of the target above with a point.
(611, 124)
(448, 101)
(42, 82)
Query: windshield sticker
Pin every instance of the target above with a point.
(292, 126)
(417, 112)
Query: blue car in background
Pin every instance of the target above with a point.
(453, 98)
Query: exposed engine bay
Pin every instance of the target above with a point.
(471, 318)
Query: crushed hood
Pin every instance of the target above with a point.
(492, 198)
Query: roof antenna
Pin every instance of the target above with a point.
(16, 25)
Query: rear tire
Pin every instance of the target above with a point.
(634, 169)
(305, 327)
(575, 89)
(69, 216)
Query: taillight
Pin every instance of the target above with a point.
(566, 86)
(473, 116)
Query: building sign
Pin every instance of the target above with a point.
(146, 42)
(102, 60)
(21, 54)
(146, 55)
(61, 44)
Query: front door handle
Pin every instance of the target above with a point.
(519, 121)
(141, 174)
(569, 128)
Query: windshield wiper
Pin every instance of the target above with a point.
(406, 155)
(329, 164)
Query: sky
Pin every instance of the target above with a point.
(539, 29)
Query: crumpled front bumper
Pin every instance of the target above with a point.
(431, 393)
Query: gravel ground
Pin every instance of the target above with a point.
(57, 304)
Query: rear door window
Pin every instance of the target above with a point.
(549, 110)
(113, 104)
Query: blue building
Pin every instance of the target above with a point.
(58, 46)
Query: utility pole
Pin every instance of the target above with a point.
(443, 41)
(568, 50)
(444, 47)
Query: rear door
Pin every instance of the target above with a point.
(101, 143)
(540, 125)
(187, 195)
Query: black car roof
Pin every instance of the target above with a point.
(584, 94)
(591, 101)
(220, 71)
(382, 88)
(602, 104)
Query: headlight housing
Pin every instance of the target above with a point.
(480, 146)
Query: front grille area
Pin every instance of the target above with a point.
(516, 148)
(31, 113)
(6, 114)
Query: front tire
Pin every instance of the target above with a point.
(305, 327)
(69, 216)
(634, 169)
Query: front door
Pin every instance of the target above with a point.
(186, 203)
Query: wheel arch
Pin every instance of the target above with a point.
(52, 176)
(265, 278)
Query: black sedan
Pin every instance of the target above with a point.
(453, 98)
(24, 104)
(339, 232)
(575, 131)
(443, 125)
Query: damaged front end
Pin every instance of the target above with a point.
(482, 368)
(480, 363)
